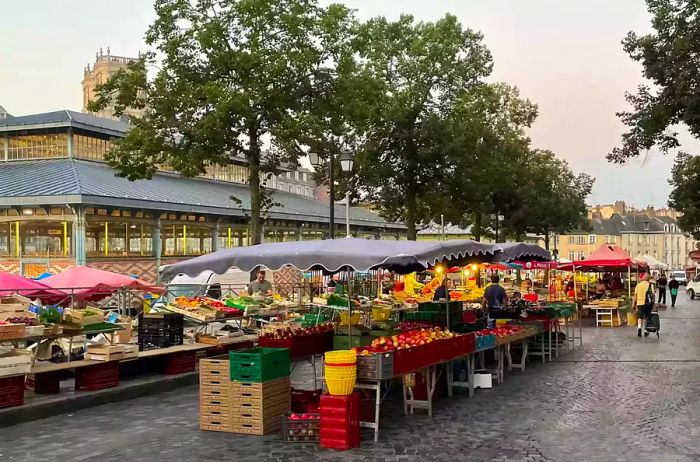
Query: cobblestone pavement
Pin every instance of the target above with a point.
(619, 398)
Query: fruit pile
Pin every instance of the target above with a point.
(303, 427)
(18, 320)
(301, 341)
(289, 333)
(503, 331)
(218, 305)
(406, 340)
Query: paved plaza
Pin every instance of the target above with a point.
(619, 398)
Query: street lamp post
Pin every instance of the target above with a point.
(346, 164)
(499, 218)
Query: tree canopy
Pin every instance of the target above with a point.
(669, 57)
(232, 75)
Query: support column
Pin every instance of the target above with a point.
(79, 236)
(215, 236)
(70, 142)
(157, 246)
(5, 147)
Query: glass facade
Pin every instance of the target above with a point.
(180, 240)
(90, 147)
(36, 239)
(118, 238)
(37, 146)
(233, 236)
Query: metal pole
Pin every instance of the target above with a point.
(331, 216)
(347, 214)
(497, 220)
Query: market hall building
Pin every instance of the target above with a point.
(61, 205)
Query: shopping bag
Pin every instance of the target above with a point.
(631, 319)
(674, 291)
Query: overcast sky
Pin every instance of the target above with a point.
(564, 55)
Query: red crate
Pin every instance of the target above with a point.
(45, 384)
(12, 391)
(348, 405)
(97, 377)
(179, 363)
(342, 444)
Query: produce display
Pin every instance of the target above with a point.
(406, 340)
(301, 341)
(19, 320)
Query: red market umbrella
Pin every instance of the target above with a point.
(93, 284)
(11, 284)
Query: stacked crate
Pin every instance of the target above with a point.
(340, 421)
(215, 395)
(246, 392)
(160, 330)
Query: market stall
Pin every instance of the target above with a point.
(611, 259)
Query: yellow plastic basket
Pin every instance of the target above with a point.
(354, 319)
(340, 372)
(340, 380)
(340, 357)
(381, 314)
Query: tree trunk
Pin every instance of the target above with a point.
(546, 238)
(254, 187)
(411, 213)
(477, 226)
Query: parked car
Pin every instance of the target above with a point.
(693, 287)
(207, 283)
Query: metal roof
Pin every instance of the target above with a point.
(64, 118)
(71, 181)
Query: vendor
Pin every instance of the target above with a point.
(495, 297)
(443, 291)
(260, 285)
(600, 289)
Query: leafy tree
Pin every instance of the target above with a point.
(669, 56)
(487, 130)
(550, 197)
(419, 69)
(232, 74)
(685, 179)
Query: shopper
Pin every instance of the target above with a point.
(673, 286)
(642, 302)
(260, 285)
(661, 283)
(495, 298)
(443, 290)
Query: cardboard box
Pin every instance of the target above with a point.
(124, 335)
(103, 349)
(14, 303)
(16, 362)
(81, 318)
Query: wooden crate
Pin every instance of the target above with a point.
(216, 424)
(262, 389)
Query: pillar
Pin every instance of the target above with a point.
(70, 142)
(6, 147)
(215, 236)
(79, 236)
(157, 247)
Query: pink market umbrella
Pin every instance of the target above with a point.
(11, 284)
(93, 284)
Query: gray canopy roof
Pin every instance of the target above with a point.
(523, 252)
(337, 254)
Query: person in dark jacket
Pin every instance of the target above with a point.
(661, 284)
(673, 286)
(443, 290)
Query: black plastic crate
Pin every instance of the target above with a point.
(160, 330)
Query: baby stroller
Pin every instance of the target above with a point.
(653, 323)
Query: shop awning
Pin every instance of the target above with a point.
(520, 251)
(605, 258)
(652, 262)
(11, 284)
(339, 254)
(86, 283)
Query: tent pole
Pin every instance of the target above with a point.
(349, 310)
(629, 282)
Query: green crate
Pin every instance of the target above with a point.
(454, 307)
(259, 364)
(421, 315)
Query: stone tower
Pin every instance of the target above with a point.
(105, 66)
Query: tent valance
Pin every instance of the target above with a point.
(339, 254)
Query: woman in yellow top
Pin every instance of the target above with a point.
(641, 304)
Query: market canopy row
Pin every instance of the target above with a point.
(355, 254)
(606, 258)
